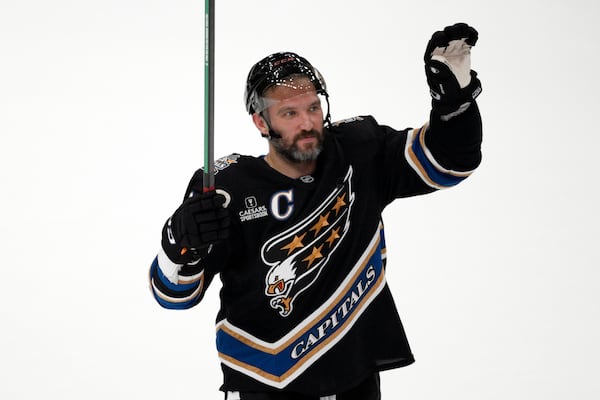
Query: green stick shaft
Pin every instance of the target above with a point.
(209, 94)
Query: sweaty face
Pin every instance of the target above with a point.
(296, 114)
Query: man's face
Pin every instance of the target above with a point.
(297, 116)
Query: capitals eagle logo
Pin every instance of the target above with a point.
(297, 256)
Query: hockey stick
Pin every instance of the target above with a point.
(209, 95)
(208, 177)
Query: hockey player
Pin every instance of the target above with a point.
(297, 238)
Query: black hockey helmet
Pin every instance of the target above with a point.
(277, 69)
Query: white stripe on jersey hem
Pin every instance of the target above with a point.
(236, 396)
(168, 267)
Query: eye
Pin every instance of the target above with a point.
(315, 107)
(289, 114)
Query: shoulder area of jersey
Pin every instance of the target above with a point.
(347, 121)
(359, 122)
(227, 161)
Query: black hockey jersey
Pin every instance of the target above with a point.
(304, 302)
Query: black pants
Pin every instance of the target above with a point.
(366, 390)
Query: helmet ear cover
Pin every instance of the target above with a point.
(280, 69)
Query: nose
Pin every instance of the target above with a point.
(306, 123)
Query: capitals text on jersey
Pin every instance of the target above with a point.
(278, 363)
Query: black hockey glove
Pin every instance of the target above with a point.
(196, 225)
(452, 83)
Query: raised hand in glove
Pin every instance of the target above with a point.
(200, 222)
(452, 83)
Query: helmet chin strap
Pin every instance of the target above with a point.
(271, 134)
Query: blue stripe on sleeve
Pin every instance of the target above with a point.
(174, 290)
(437, 176)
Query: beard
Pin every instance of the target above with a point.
(293, 153)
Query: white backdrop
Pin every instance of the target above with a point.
(101, 127)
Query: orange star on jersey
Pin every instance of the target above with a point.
(294, 244)
(320, 224)
(315, 255)
(339, 204)
(333, 236)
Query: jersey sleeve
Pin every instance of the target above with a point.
(438, 155)
(444, 153)
(182, 290)
(410, 162)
